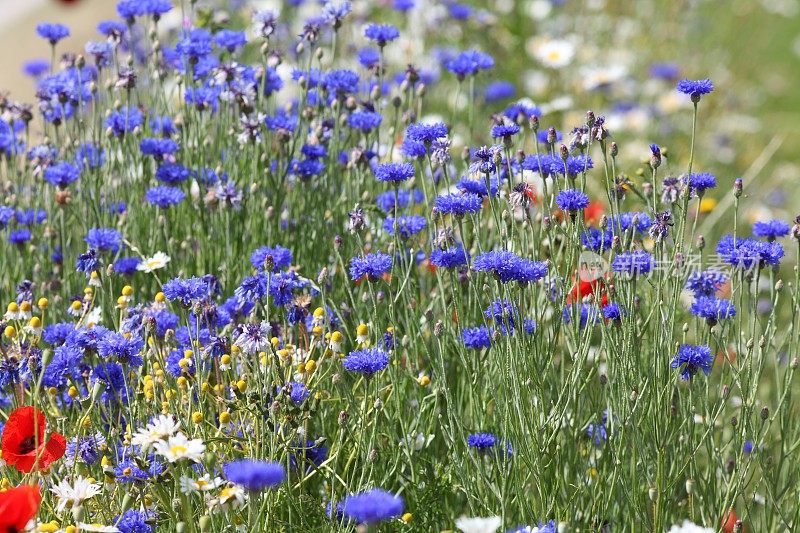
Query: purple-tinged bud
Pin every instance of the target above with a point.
(737, 187)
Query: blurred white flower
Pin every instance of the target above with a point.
(689, 527)
(479, 525)
(552, 53)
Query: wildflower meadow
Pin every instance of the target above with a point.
(375, 266)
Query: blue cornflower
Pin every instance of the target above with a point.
(459, 11)
(469, 63)
(386, 200)
(90, 156)
(87, 262)
(158, 148)
(699, 183)
(367, 361)
(57, 333)
(458, 204)
(162, 125)
(381, 33)
(613, 311)
(61, 174)
(281, 257)
(507, 266)
(664, 71)
(692, 358)
(204, 98)
(749, 253)
(85, 449)
(133, 521)
(633, 263)
(506, 131)
(695, 88)
(522, 110)
(101, 51)
(590, 315)
(706, 283)
(426, 133)
(125, 350)
(282, 286)
(481, 441)
(478, 186)
(6, 215)
(29, 217)
(36, 67)
(771, 229)
(185, 291)
(369, 57)
(112, 376)
(112, 29)
(126, 266)
(372, 507)
(52, 32)
(503, 312)
(124, 121)
(128, 471)
(314, 151)
(713, 309)
(129, 9)
(196, 45)
(334, 12)
(598, 432)
(255, 475)
(365, 120)
(640, 222)
(230, 39)
(172, 173)
(394, 172)
(65, 365)
(298, 392)
(340, 82)
(373, 266)
(477, 337)
(164, 197)
(406, 225)
(597, 240)
(575, 165)
(413, 149)
(500, 90)
(572, 200)
(450, 257)
(281, 122)
(104, 239)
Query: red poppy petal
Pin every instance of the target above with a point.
(53, 451)
(17, 506)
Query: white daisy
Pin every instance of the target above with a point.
(190, 485)
(159, 260)
(180, 447)
(73, 495)
(232, 496)
(479, 525)
(160, 428)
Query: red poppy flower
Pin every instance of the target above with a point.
(24, 444)
(584, 288)
(594, 212)
(729, 522)
(17, 506)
